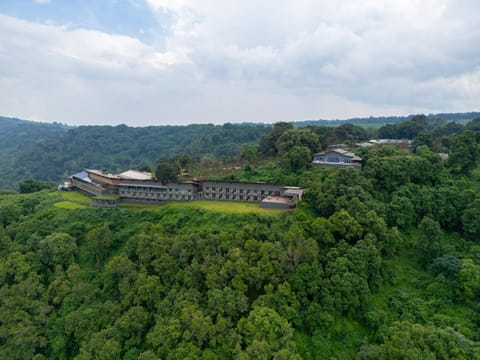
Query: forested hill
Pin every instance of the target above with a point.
(382, 263)
(384, 120)
(377, 264)
(50, 152)
(15, 137)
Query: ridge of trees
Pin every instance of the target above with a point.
(50, 152)
(382, 263)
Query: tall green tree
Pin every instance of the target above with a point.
(166, 171)
(428, 241)
(299, 157)
(465, 152)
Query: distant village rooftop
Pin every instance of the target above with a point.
(397, 142)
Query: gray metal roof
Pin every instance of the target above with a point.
(83, 175)
(298, 192)
(341, 152)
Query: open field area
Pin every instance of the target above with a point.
(232, 207)
(69, 205)
(76, 200)
(76, 197)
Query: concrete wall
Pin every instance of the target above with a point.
(354, 165)
(237, 191)
(152, 191)
(107, 203)
(274, 205)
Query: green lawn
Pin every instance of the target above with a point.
(232, 207)
(69, 205)
(76, 200)
(73, 200)
(74, 196)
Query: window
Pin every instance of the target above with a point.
(333, 159)
(346, 160)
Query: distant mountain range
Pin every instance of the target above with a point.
(384, 120)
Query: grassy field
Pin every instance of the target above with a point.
(76, 197)
(76, 200)
(69, 205)
(232, 207)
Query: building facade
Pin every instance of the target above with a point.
(154, 192)
(337, 158)
(238, 191)
(140, 188)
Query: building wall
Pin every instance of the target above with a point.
(354, 165)
(274, 205)
(103, 179)
(107, 203)
(152, 191)
(333, 159)
(236, 191)
(89, 189)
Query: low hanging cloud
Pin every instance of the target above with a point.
(249, 61)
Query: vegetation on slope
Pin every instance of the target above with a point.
(52, 152)
(382, 263)
(374, 265)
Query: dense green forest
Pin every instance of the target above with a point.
(384, 120)
(382, 263)
(50, 152)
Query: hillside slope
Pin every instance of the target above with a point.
(51, 152)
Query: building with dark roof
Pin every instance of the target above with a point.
(132, 186)
(337, 158)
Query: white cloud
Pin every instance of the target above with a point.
(42, 1)
(245, 60)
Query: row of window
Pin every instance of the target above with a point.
(155, 196)
(242, 191)
(232, 197)
(334, 159)
(153, 189)
(235, 189)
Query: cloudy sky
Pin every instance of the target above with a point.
(143, 62)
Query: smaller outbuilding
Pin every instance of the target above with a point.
(337, 158)
(292, 193)
(276, 202)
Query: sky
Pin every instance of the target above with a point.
(163, 62)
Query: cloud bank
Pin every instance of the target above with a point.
(234, 61)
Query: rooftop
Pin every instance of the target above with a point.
(102, 173)
(341, 152)
(135, 175)
(293, 191)
(276, 199)
(83, 175)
